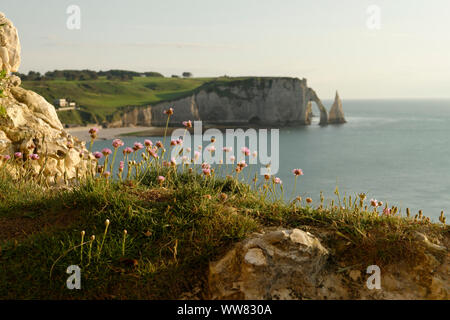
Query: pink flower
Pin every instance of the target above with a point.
(245, 151)
(254, 154)
(188, 149)
(34, 156)
(173, 161)
(373, 202)
(148, 143)
(187, 124)
(278, 181)
(179, 141)
(127, 150)
(106, 174)
(232, 159)
(161, 179)
(173, 143)
(212, 149)
(387, 211)
(297, 172)
(227, 149)
(242, 164)
(18, 155)
(206, 172)
(153, 153)
(6, 157)
(169, 112)
(117, 143)
(93, 130)
(159, 144)
(206, 165)
(121, 166)
(138, 146)
(106, 152)
(98, 155)
(196, 155)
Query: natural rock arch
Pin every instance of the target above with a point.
(312, 96)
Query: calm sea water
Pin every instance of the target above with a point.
(394, 150)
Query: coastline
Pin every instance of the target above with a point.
(82, 133)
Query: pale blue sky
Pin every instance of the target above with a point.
(325, 41)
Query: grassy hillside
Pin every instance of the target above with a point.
(100, 99)
(174, 227)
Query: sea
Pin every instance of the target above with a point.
(395, 151)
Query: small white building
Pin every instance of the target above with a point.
(61, 103)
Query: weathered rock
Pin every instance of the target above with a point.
(30, 125)
(293, 264)
(336, 114)
(133, 117)
(248, 102)
(255, 101)
(274, 265)
(9, 45)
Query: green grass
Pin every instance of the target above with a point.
(102, 98)
(174, 230)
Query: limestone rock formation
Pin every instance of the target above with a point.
(30, 125)
(253, 101)
(293, 264)
(9, 46)
(336, 114)
(132, 117)
(238, 102)
(282, 264)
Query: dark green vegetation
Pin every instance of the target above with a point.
(85, 75)
(173, 230)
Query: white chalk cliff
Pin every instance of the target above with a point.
(270, 101)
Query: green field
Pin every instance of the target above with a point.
(100, 99)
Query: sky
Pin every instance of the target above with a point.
(400, 50)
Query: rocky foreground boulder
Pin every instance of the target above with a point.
(294, 264)
(29, 124)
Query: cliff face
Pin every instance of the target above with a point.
(141, 116)
(252, 101)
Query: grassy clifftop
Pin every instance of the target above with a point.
(177, 219)
(101, 99)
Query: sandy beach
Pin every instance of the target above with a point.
(111, 133)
